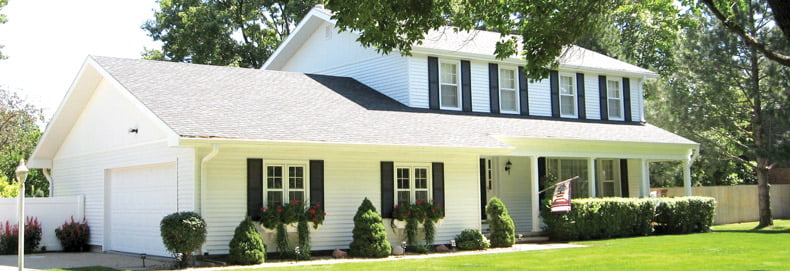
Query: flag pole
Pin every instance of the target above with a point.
(550, 187)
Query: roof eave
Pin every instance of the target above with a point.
(292, 43)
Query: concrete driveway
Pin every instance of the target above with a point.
(43, 261)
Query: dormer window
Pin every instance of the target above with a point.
(614, 94)
(508, 92)
(567, 96)
(449, 87)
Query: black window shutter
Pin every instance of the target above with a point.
(387, 188)
(433, 82)
(624, 177)
(483, 188)
(437, 170)
(580, 96)
(466, 86)
(602, 97)
(317, 182)
(493, 87)
(554, 83)
(254, 188)
(523, 92)
(627, 99)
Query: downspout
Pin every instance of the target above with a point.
(208, 157)
(49, 180)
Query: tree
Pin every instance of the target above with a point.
(731, 98)
(241, 33)
(3, 19)
(19, 134)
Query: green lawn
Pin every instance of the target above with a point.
(729, 247)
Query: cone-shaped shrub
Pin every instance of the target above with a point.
(370, 237)
(246, 247)
(503, 231)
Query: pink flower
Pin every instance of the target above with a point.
(294, 202)
(315, 219)
(312, 211)
(318, 205)
(263, 209)
(419, 202)
(324, 213)
(423, 217)
(280, 210)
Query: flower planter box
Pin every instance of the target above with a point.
(401, 224)
(290, 228)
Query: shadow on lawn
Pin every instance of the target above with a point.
(771, 229)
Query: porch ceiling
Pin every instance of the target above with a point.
(555, 147)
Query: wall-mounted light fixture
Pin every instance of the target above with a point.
(508, 165)
(133, 130)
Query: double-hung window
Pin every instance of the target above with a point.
(449, 86)
(567, 96)
(508, 91)
(412, 183)
(614, 96)
(285, 182)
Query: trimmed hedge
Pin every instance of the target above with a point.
(603, 218)
(685, 215)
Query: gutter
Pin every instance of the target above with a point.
(49, 180)
(208, 157)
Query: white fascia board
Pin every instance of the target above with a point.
(581, 148)
(192, 141)
(273, 61)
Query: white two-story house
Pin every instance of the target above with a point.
(329, 121)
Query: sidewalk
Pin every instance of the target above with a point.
(43, 261)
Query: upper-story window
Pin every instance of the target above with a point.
(508, 92)
(412, 183)
(567, 96)
(449, 87)
(285, 182)
(614, 96)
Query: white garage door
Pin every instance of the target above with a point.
(139, 198)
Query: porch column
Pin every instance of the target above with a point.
(591, 175)
(644, 190)
(687, 177)
(533, 171)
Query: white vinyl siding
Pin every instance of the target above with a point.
(449, 85)
(591, 96)
(481, 98)
(539, 98)
(614, 96)
(508, 90)
(350, 175)
(567, 95)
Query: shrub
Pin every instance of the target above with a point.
(9, 236)
(183, 233)
(503, 231)
(369, 235)
(74, 236)
(600, 218)
(685, 215)
(470, 239)
(246, 247)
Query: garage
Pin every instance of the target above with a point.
(138, 199)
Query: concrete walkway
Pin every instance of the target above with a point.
(43, 261)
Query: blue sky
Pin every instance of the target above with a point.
(48, 40)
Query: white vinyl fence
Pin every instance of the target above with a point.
(51, 213)
(738, 203)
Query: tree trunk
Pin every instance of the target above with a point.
(763, 194)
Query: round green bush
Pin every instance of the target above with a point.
(471, 239)
(503, 231)
(369, 235)
(246, 247)
(182, 233)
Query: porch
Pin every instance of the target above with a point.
(605, 169)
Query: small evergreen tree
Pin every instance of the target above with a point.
(370, 237)
(246, 247)
(503, 231)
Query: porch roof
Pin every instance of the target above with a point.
(201, 101)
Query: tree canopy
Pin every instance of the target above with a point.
(241, 33)
(19, 134)
(3, 20)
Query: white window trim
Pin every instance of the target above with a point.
(516, 90)
(615, 177)
(285, 164)
(458, 85)
(575, 96)
(412, 190)
(609, 98)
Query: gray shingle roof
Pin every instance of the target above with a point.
(237, 103)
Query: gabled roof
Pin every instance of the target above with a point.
(200, 101)
(448, 41)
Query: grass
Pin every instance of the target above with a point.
(729, 247)
(88, 268)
